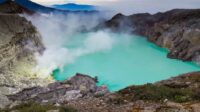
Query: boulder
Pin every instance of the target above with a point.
(73, 88)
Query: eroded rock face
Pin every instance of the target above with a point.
(177, 30)
(19, 41)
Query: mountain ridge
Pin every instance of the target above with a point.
(11, 7)
(75, 7)
(178, 30)
(37, 8)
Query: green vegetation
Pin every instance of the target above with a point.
(67, 109)
(150, 92)
(34, 107)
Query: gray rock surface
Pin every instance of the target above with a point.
(78, 86)
(9, 6)
(19, 41)
(177, 30)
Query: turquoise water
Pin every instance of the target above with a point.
(131, 61)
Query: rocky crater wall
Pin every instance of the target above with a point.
(177, 30)
(19, 41)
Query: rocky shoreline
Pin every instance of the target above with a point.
(177, 30)
(177, 94)
(21, 91)
(60, 92)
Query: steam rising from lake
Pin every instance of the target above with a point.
(57, 31)
(119, 60)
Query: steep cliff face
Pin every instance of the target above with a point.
(177, 30)
(19, 41)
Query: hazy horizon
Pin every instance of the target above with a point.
(131, 6)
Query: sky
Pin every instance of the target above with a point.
(131, 6)
(92, 2)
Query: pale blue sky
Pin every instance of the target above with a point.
(94, 2)
(131, 6)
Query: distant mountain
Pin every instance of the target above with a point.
(75, 7)
(19, 6)
(34, 6)
(26, 4)
(9, 6)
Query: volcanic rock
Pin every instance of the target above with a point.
(19, 41)
(59, 92)
(177, 30)
(11, 7)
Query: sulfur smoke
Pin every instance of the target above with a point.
(58, 30)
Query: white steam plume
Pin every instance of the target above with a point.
(57, 32)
